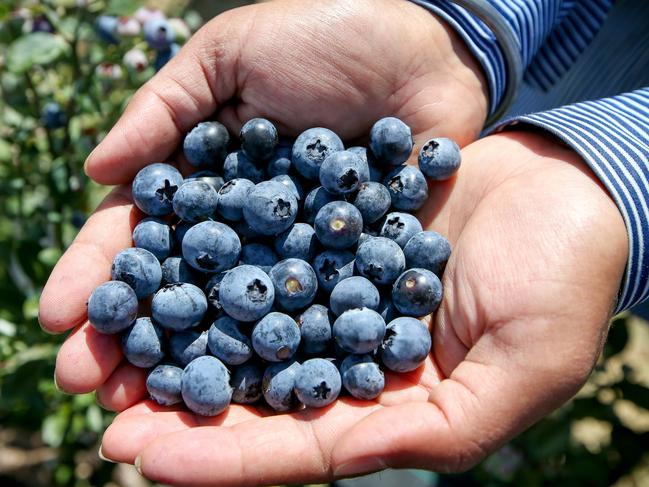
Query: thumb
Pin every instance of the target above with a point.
(467, 416)
(189, 89)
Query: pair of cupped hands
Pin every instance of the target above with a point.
(539, 250)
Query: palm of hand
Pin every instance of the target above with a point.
(303, 75)
(517, 316)
(524, 310)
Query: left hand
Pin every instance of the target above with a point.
(539, 253)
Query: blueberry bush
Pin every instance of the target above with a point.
(67, 69)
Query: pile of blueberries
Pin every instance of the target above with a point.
(297, 272)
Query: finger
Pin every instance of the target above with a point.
(125, 387)
(86, 263)
(148, 406)
(287, 448)
(86, 359)
(126, 437)
(186, 91)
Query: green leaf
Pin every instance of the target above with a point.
(35, 48)
(30, 308)
(122, 7)
(54, 428)
(49, 256)
(5, 151)
(94, 419)
(7, 328)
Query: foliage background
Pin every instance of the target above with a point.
(49, 438)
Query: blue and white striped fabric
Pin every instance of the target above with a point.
(571, 53)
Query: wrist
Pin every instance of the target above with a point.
(457, 76)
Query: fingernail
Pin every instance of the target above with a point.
(101, 455)
(360, 467)
(56, 384)
(85, 163)
(138, 464)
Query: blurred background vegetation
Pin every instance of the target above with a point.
(62, 84)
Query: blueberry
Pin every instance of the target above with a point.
(179, 232)
(316, 199)
(440, 158)
(246, 383)
(338, 225)
(238, 166)
(376, 174)
(139, 269)
(387, 309)
(227, 342)
(354, 292)
(158, 34)
(154, 235)
(298, 242)
(362, 377)
(428, 250)
(208, 177)
(106, 28)
(381, 260)
(406, 345)
(280, 163)
(164, 384)
(178, 306)
(211, 247)
(391, 141)
(142, 343)
(342, 172)
(278, 384)
(311, 148)
(176, 270)
(315, 328)
(233, 196)
(246, 293)
(292, 184)
(206, 386)
(271, 208)
(373, 200)
(400, 227)
(332, 266)
(365, 237)
(247, 233)
(417, 292)
(359, 330)
(259, 255)
(258, 139)
(276, 337)
(164, 56)
(185, 346)
(408, 188)
(195, 201)
(53, 116)
(154, 188)
(295, 284)
(112, 307)
(212, 290)
(317, 383)
(206, 145)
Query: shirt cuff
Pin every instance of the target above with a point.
(487, 48)
(612, 136)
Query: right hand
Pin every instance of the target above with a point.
(338, 64)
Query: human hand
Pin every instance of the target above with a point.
(290, 61)
(539, 252)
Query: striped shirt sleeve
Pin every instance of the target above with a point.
(612, 136)
(549, 35)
